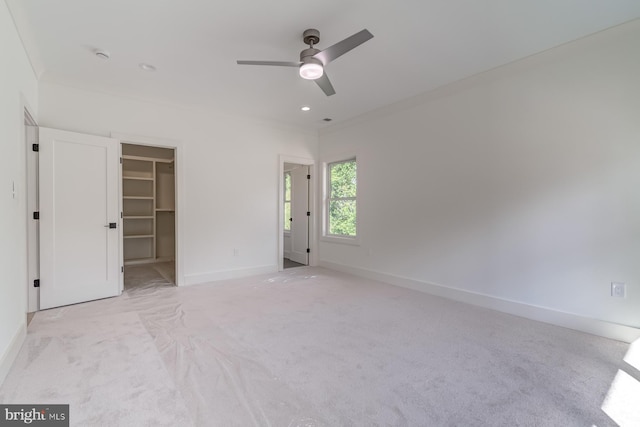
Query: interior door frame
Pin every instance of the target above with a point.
(313, 220)
(31, 197)
(178, 148)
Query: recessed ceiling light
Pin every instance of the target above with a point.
(102, 54)
(147, 67)
(306, 108)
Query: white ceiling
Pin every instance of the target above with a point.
(418, 45)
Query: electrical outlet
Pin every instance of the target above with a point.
(618, 290)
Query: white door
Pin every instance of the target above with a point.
(79, 252)
(299, 209)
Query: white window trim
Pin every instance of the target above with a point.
(326, 237)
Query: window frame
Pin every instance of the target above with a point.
(327, 199)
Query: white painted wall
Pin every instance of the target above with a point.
(18, 86)
(522, 184)
(230, 170)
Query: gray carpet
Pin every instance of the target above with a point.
(313, 347)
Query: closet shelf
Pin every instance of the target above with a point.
(138, 197)
(165, 210)
(139, 236)
(137, 178)
(138, 217)
(131, 261)
(147, 159)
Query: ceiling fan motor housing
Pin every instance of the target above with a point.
(310, 37)
(306, 56)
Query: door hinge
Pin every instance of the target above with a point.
(308, 213)
(120, 160)
(35, 147)
(36, 215)
(122, 269)
(308, 250)
(308, 176)
(36, 283)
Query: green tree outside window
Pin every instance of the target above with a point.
(342, 198)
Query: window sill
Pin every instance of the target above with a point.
(353, 241)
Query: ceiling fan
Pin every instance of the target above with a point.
(313, 61)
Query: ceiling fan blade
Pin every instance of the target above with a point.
(325, 85)
(277, 63)
(340, 48)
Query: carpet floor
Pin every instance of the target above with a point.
(309, 347)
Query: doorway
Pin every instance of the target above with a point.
(33, 248)
(74, 188)
(148, 216)
(297, 213)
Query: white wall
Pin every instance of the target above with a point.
(230, 168)
(521, 184)
(18, 87)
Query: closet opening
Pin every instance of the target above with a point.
(148, 216)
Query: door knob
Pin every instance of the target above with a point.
(110, 225)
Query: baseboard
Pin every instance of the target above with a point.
(7, 359)
(299, 257)
(542, 314)
(214, 276)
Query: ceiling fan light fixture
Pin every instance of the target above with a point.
(311, 71)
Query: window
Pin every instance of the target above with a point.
(287, 201)
(340, 209)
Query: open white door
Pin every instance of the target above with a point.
(299, 209)
(79, 252)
